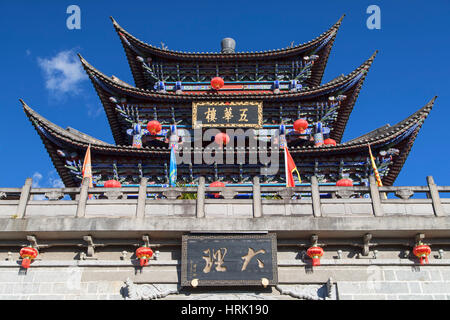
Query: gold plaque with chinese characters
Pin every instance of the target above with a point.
(233, 114)
(229, 260)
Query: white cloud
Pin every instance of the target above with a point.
(63, 73)
(37, 177)
(52, 181)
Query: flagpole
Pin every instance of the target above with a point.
(375, 171)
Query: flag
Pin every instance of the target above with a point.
(290, 167)
(87, 168)
(374, 167)
(173, 167)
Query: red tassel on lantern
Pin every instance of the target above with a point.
(144, 254)
(27, 254)
(422, 251)
(315, 253)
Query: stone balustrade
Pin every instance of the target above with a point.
(237, 202)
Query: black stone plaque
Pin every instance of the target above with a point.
(229, 260)
(227, 114)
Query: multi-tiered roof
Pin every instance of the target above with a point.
(286, 81)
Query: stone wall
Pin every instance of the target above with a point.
(107, 280)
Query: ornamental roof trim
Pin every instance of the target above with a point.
(173, 54)
(125, 88)
(401, 135)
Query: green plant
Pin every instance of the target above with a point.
(185, 195)
(272, 197)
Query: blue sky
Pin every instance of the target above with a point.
(37, 64)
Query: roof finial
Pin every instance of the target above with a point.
(228, 45)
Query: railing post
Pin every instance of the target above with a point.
(375, 196)
(201, 198)
(315, 197)
(24, 197)
(257, 210)
(436, 200)
(81, 209)
(142, 197)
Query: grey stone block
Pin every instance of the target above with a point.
(102, 287)
(92, 287)
(436, 287)
(435, 275)
(88, 297)
(48, 276)
(389, 275)
(45, 288)
(47, 297)
(369, 297)
(345, 297)
(415, 297)
(409, 275)
(65, 288)
(347, 287)
(439, 297)
(414, 287)
(10, 297)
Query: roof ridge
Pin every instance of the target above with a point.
(334, 28)
(82, 137)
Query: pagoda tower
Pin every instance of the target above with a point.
(261, 93)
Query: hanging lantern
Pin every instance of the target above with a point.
(330, 142)
(217, 184)
(112, 184)
(300, 125)
(154, 127)
(345, 183)
(422, 251)
(27, 254)
(221, 138)
(144, 254)
(315, 253)
(217, 83)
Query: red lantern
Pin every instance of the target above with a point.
(315, 253)
(154, 127)
(143, 254)
(329, 141)
(221, 138)
(217, 184)
(217, 83)
(300, 125)
(112, 184)
(345, 183)
(27, 254)
(422, 251)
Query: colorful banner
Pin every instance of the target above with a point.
(173, 167)
(290, 167)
